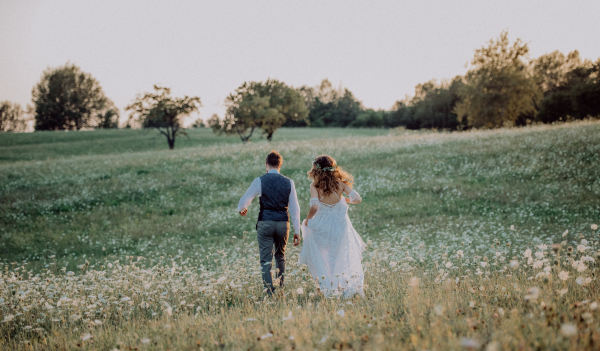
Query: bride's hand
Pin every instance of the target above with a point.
(348, 200)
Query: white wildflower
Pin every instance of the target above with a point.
(563, 275)
(568, 329)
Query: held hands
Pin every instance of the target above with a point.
(296, 239)
(244, 212)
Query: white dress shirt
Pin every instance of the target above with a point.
(255, 190)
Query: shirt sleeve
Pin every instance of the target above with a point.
(253, 191)
(294, 208)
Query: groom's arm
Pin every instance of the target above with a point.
(253, 191)
(294, 209)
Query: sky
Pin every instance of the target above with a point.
(378, 49)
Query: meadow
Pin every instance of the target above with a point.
(479, 240)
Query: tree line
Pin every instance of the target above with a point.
(502, 87)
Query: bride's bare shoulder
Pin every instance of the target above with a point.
(347, 188)
(313, 191)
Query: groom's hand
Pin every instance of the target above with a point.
(296, 239)
(243, 213)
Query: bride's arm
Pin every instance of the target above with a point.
(314, 194)
(353, 197)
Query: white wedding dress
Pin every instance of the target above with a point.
(332, 249)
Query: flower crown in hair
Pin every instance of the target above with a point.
(327, 169)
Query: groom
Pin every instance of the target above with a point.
(277, 196)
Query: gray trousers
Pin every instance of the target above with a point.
(272, 234)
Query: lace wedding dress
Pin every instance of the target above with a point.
(332, 249)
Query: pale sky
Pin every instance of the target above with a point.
(378, 49)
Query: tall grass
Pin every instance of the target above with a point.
(145, 249)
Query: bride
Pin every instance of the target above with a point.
(332, 249)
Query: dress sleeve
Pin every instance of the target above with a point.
(314, 201)
(354, 196)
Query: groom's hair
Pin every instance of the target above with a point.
(274, 159)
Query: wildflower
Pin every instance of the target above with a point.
(341, 313)
(581, 248)
(562, 291)
(289, 317)
(593, 305)
(512, 227)
(527, 253)
(534, 293)
(86, 337)
(414, 282)
(568, 329)
(448, 264)
(460, 254)
(563, 275)
(266, 336)
(579, 280)
(565, 233)
(393, 264)
(471, 304)
(145, 341)
(538, 264)
(513, 264)
(299, 291)
(470, 344)
(594, 226)
(483, 264)
(8, 318)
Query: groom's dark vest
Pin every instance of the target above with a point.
(275, 196)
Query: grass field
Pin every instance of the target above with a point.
(108, 240)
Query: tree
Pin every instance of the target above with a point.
(499, 87)
(575, 93)
(328, 106)
(161, 111)
(199, 123)
(370, 118)
(11, 117)
(260, 105)
(550, 71)
(68, 99)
